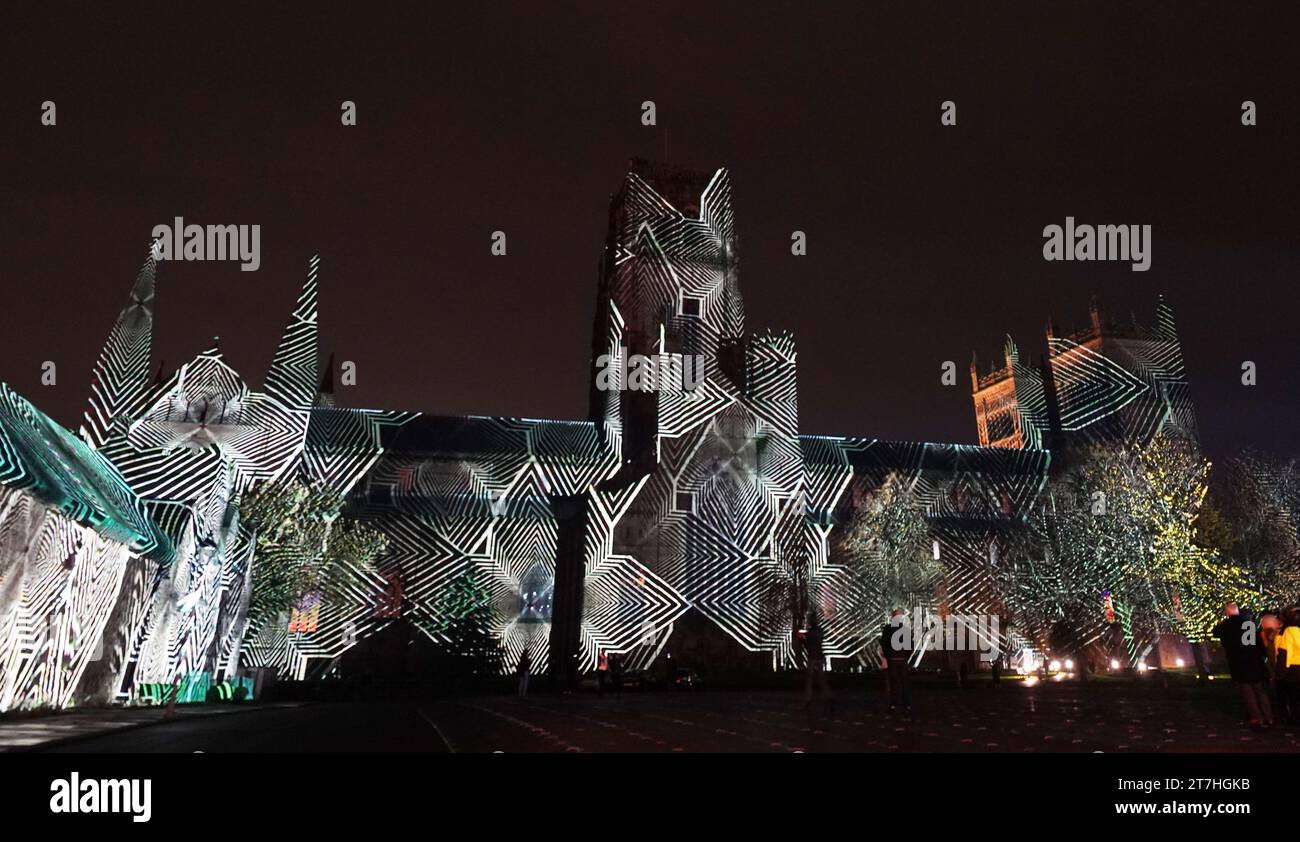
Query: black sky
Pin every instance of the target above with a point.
(924, 241)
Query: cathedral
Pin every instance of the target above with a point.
(668, 521)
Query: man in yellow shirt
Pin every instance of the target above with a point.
(1286, 652)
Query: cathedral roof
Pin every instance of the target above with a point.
(64, 473)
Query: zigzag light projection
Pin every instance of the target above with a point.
(456, 497)
(969, 494)
(735, 503)
(342, 446)
(75, 546)
(712, 477)
(1010, 403)
(1117, 382)
(1108, 384)
(187, 445)
(663, 513)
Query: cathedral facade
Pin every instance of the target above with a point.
(666, 511)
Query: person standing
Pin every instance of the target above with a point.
(815, 656)
(896, 647)
(524, 668)
(1270, 628)
(1246, 663)
(602, 671)
(175, 696)
(1287, 649)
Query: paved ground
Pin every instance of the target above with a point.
(23, 730)
(1007, 718)
(282, 728)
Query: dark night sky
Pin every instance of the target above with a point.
(924, 241)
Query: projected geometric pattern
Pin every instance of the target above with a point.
(970, 495)
(667, 505)
(1122, 382)
(716, 515)
(187, 444)
(342, 445)
(1010, 403)
(1109, 383)
(74, 543)
(455, 497)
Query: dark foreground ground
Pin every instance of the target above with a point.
(1065, 717)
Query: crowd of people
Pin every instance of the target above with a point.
(1263, 655)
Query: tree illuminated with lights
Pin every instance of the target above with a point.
(304, 545)
(888, 545)
(1121, 524)
(1250, 516)
(1059, 566)
(1160, 489)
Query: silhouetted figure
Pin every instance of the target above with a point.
(896, 647)
(170, 710)
(524, 668)
(602, 671)
(1270, 627)
(1246, 663)
(815, 666)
